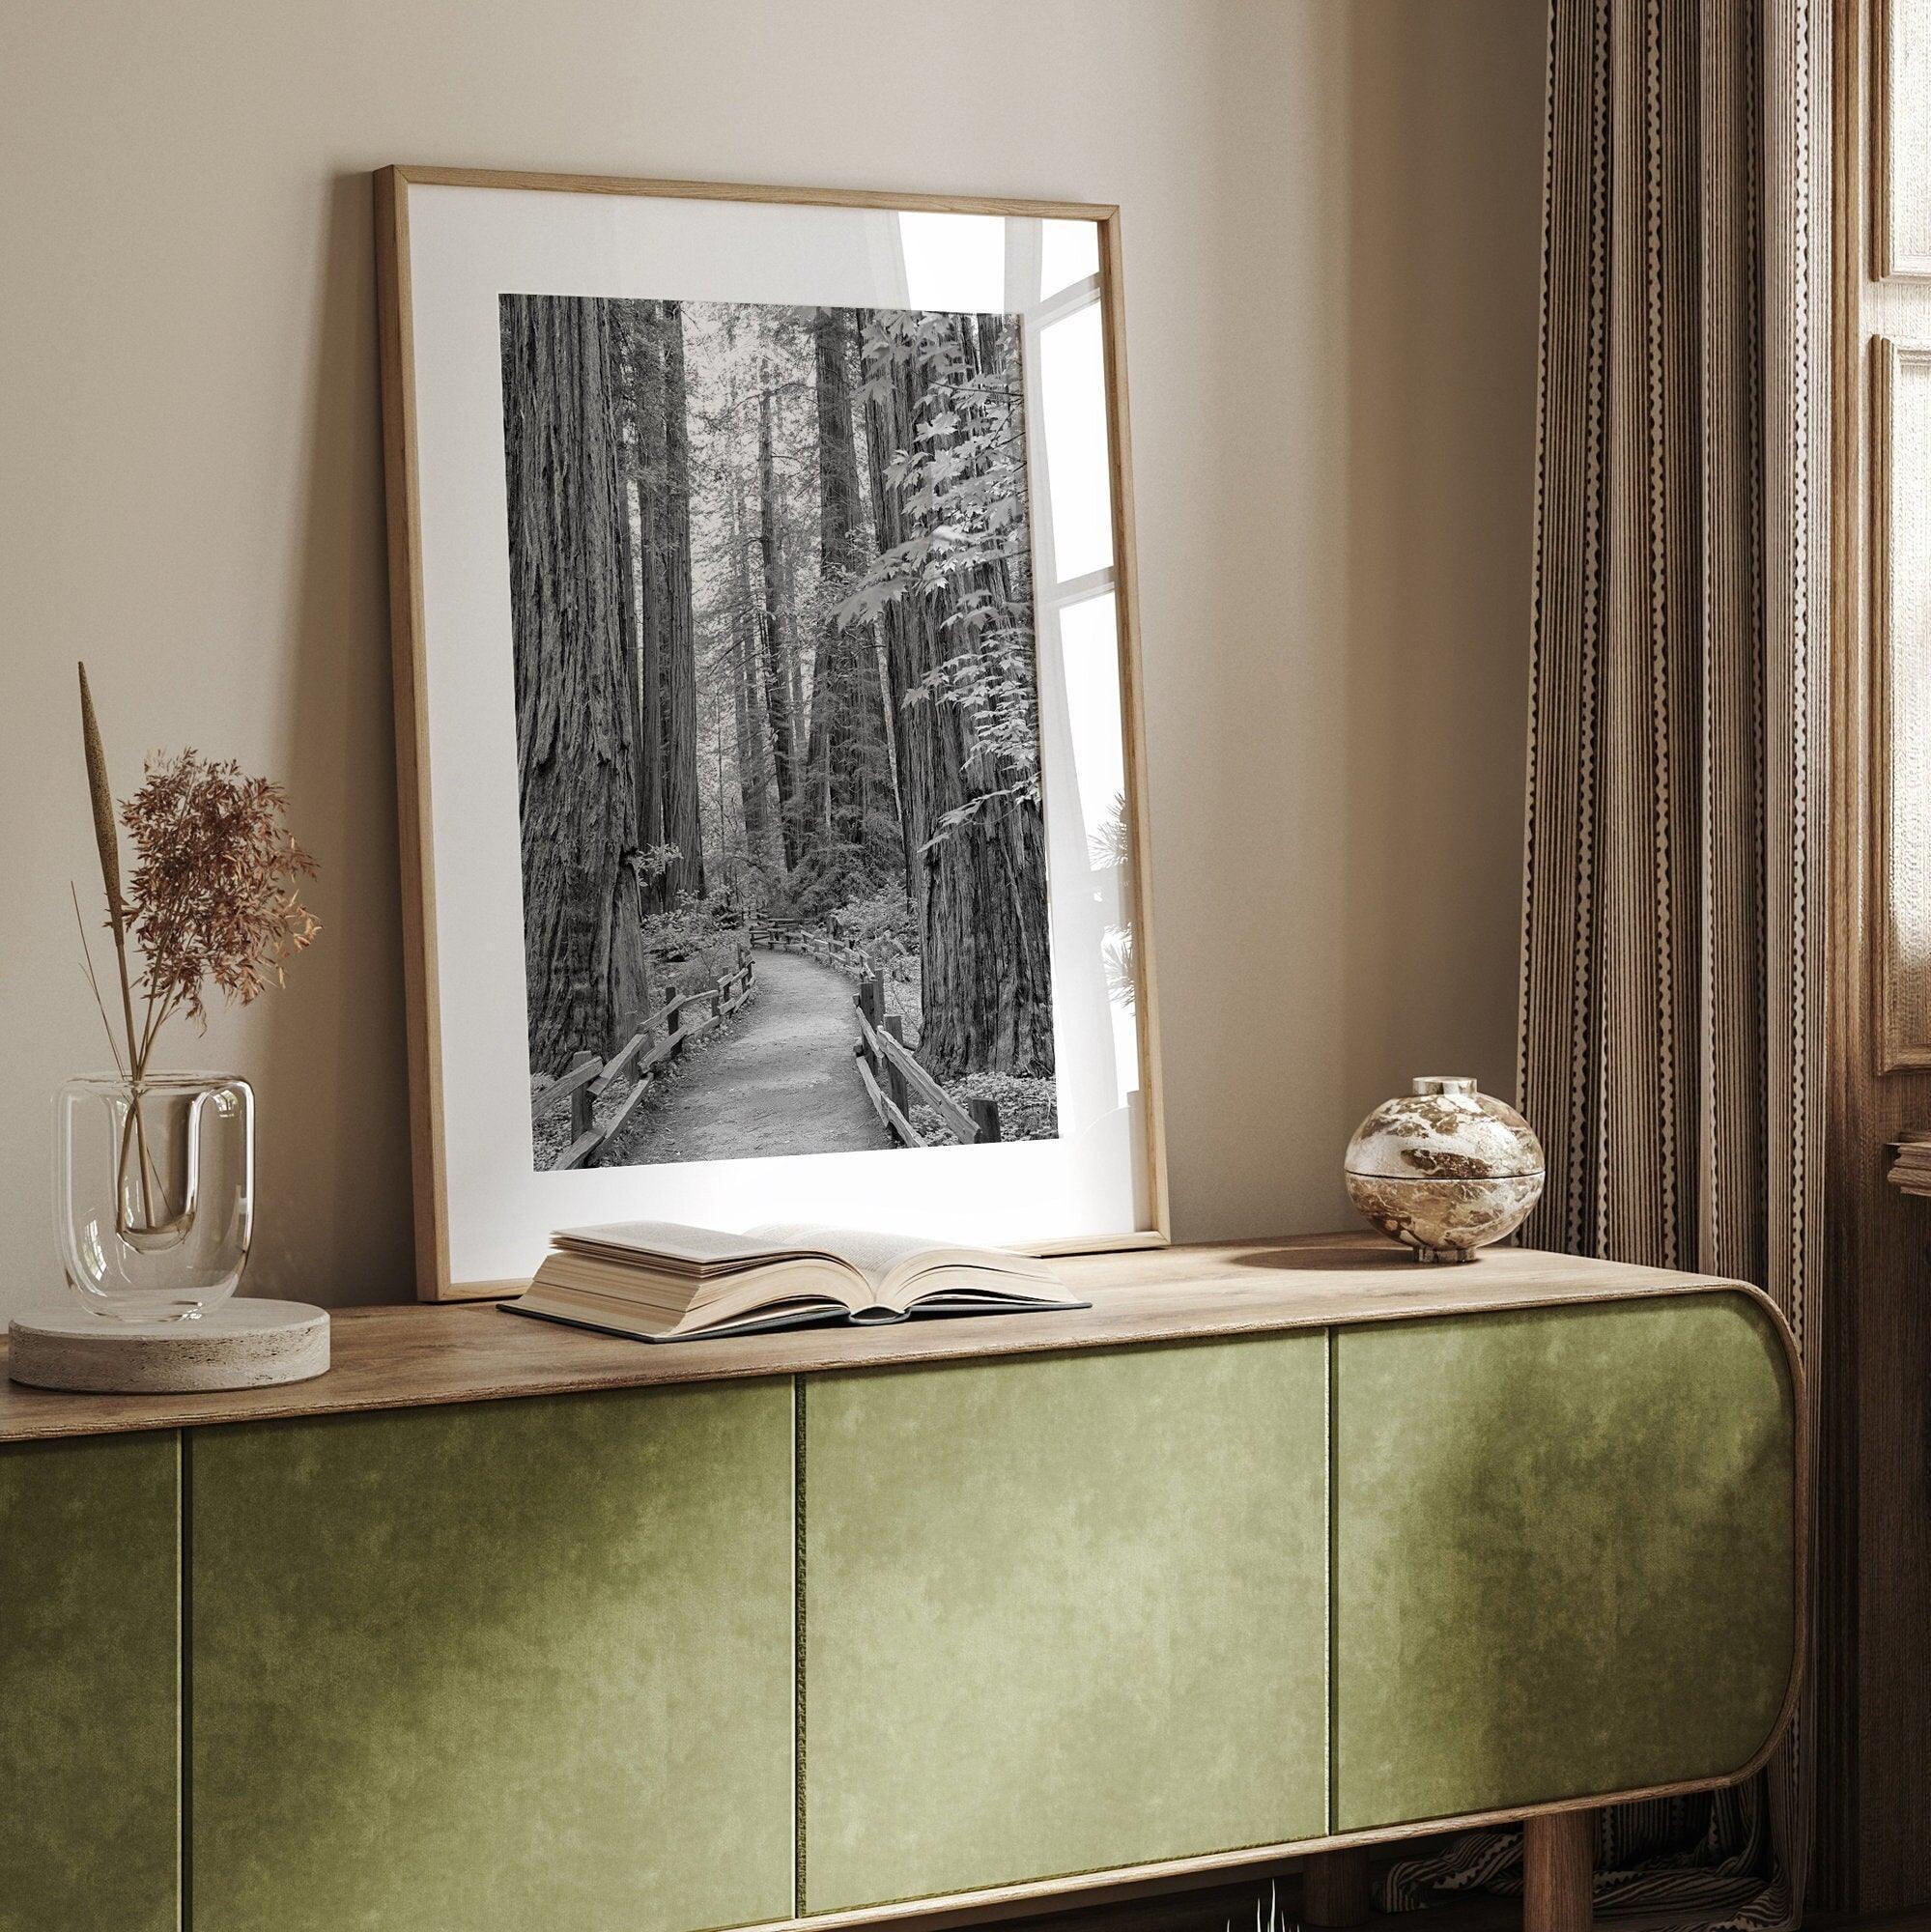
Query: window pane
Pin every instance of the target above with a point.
(1089, 643)
(1072, 390)
(1068, 253)
(1090, 651)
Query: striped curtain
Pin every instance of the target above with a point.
(1671, 1049)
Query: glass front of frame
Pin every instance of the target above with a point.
(780, 838)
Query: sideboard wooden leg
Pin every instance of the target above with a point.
(1334, 1887)
(1559, 1872)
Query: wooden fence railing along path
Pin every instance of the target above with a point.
(843, 955)
(894, 1082)
(587, 1079)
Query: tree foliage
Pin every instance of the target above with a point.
(963, 558)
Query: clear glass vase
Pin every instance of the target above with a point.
(154, 1191)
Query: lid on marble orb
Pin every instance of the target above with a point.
(1441, 1083)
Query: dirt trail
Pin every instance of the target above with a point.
(784, 1083)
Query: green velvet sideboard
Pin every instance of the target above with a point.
(1281, 1548)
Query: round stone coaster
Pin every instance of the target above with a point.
(241, 1343)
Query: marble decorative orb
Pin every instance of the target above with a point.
(1443, 1168)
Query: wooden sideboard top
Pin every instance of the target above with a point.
(410, 1354)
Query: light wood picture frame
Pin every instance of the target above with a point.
(446, 300)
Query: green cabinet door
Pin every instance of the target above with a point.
(89, 1745)
(521, 1666)
(1062, 1613)
(1564, 1556)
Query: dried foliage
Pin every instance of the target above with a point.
(212, 899)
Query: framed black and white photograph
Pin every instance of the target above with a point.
(768, 729)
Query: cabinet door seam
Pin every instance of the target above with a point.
(184, 1679)
(1331, 1646)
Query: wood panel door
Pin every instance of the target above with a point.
(1565, 1555)
(90, 1744)
(514, 1667)
(1062, 1614)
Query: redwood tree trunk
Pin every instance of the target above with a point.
(848, 779)
(755, 774)
(685, 877)
(575, 669)
(644, 331)
(777, 686)
(978, 880)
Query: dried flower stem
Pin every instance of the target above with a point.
(101, 797)
(94, 984)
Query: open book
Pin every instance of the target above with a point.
(664, 1282)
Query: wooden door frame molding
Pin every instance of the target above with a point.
(1874, 1554)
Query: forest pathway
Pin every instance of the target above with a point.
(786, 1081)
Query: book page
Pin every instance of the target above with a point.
(873, 1255)
(669, 1241)
(785, 1284)
(893, 1265)
(888, 1266)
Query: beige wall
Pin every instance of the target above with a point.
(1331, 225)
